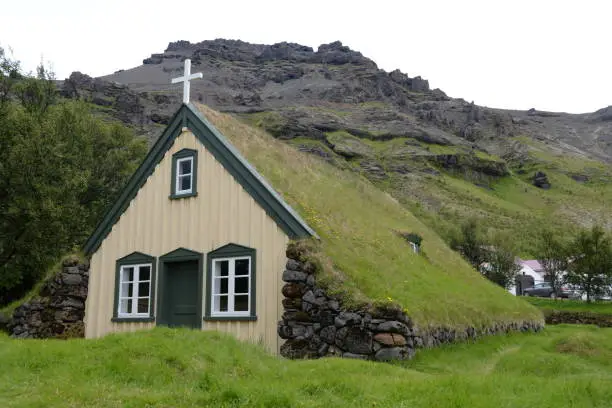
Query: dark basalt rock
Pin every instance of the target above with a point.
(59, 308)
(540, 180)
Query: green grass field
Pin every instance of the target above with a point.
(565, 366)
(363, 256)
(570, 305)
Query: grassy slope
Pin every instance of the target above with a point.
(563, 367)
(356, 222)
(510, 205)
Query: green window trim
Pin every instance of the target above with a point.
(179, 255)
(232, 251)
(183, 154)
(135, 258)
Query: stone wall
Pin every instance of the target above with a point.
(315, 324)
(569, 317)
(58, 309)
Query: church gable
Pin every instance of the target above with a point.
(189, 121)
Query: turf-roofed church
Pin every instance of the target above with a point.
(197, 238)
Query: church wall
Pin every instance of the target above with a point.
(223, 212)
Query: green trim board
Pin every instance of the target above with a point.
(188, 116)
(231, 251)
(133, 259)
(178, 255)
(184, 153)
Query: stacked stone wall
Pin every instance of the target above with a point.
(315, 324)
(58, 309)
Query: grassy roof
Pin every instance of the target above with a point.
(364, 256)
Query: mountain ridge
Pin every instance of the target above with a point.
(444, 158)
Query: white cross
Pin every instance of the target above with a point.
(187, 76)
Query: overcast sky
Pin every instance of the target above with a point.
(549, 55)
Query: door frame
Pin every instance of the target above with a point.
(179, 255)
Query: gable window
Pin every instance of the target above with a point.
(231, 283)
(184, 174)
(134, 288)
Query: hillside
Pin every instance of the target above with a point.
(364, 257)
(567, 366)
(443, 158)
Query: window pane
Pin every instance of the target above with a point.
(241, 285)
(221, 268)
(220, 286)
(125, 306)
(126, 289)
(144, 274)
(185, 167)
(143, 289)
(220, 303)
(185, 183)
(127, 274)
(242, 266)
(241, 303)
(143, 305)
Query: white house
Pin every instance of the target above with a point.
(531, 268)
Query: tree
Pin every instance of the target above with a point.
(554, 256)
(470, 243)
(591, 262)
(501, 266)
(60, 166)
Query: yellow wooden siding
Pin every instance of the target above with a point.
(222, 213)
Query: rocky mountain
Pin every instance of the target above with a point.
(413, 140)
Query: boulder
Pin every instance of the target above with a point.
(540, 180)
(393, 353)
(357, 340)
(328, 334)
(393, 327)
(294, 265)
(293, 290)
(292, 303)
(390, 339)
(347, 319)
(294, 276)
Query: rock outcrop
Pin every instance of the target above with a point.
(540, 180)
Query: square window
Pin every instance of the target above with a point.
(143, 305)
(231, 287)
(242, 267)
(241, 303)
(134, 291)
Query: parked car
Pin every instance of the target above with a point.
(545, 290)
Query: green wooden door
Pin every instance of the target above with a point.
(180, 306)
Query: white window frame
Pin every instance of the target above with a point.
(179, 176)
(135, 295)
(231, 293)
